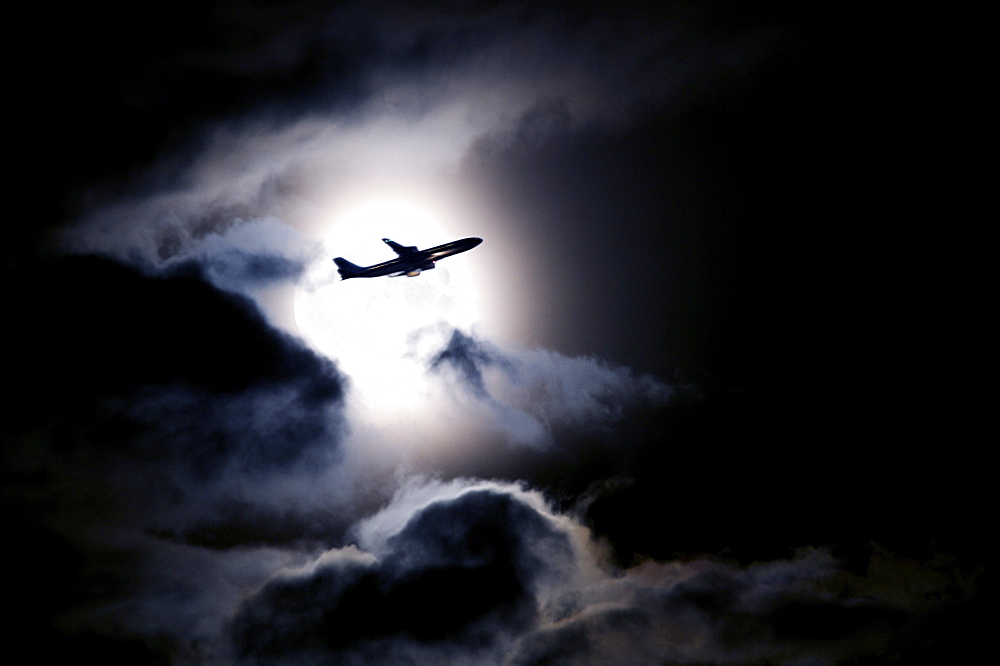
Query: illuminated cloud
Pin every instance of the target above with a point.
(473, 570)
(434, 91)
(530, 394)
(463, 570)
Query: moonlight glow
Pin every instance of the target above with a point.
(379, 330)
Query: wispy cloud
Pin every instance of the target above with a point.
(530, 394)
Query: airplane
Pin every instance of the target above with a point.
(409, 262)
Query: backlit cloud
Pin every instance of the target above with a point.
(487, 572)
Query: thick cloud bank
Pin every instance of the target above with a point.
(486, 572)
(462, 574)
(166, 433)
(195, 490)
(165, 368)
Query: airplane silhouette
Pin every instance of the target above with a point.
(410, 261)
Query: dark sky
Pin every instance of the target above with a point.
(710, 413)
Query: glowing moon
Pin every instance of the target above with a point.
(381, 330)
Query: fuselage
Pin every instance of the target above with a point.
(410, 261)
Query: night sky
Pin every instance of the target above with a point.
(697, 398)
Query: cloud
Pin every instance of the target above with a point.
(97, 322)
(176, 422)
(250, 254)
(216, 484)
(706, 611)
(531, 395)
(482, 571)
(161, 388)
(428, 87)
(215, 487)
(463, 571)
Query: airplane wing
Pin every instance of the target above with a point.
(401, 250)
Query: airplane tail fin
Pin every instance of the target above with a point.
(346, 268)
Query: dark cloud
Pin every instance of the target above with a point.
(720, 615)
(465, 356)
(254, 269)
(459, 576)
(158, 387)
(144, 405)
(484, 572)
(89, 328)
(762, 472)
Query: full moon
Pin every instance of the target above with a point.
(382, 331)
